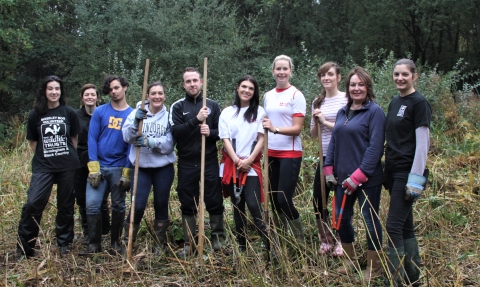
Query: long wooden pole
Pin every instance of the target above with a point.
(266, 182)
(322, 176)
(201, 212)
(137, 159)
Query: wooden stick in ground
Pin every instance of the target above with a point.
(266, 183)
(201, 212)
(137, 160)
(322, 176)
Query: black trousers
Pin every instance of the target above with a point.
(317, 195)
(283, 175)
(251, 197)
(400, 214)
(39, 192)
(188, 189)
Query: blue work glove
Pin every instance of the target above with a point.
(140, 114)
(414, 187)
(143, 141)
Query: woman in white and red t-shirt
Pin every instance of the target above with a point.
(286, 108)
(325, 108)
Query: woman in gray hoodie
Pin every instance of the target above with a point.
(155, 163)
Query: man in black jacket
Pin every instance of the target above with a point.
(186, 118)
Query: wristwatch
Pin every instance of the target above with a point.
(276, 131)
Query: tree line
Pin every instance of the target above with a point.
(79, 39)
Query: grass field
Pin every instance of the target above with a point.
(446, 221)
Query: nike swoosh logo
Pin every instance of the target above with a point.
(186, 113)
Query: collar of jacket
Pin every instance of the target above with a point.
(192, 99)
(366, 106)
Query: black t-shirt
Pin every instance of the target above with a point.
(405, 115)
(52, 132)
(82, 147)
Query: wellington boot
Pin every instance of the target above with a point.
(84, 222)
(106, 227)
(349, 260)
(95, 235)
(189, 225)
(374, 267)
(412, 261)
(395, 274)
(116, 231)
(126, 231)
(297, 230)
(160, 227)
(216, 225)
(326, 239)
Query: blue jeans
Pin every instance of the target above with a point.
(161, 178)
(111, 176)
(369, 209)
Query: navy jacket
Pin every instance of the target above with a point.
(358, 143)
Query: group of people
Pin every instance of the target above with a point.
(353, 130)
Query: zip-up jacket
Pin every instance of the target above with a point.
(357, 142)
(185, 129)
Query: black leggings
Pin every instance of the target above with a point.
(317, 195)
(251, 197)
(400, 215)
(283, 176)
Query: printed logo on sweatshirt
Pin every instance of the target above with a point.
(282, 104)
(401, 111)
(115, 123)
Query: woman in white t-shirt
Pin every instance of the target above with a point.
(242, 134)
(325, 108)
(286, 108)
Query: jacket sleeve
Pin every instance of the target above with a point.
(376, 134)
(214, 126)
(93, 134)
(164, 144)
(179, 127)
(129, 131)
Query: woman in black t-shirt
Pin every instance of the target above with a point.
(52, 132)
(407, 135)
(89, 99)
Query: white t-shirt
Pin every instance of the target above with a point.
(245, 133)
(329, 109)
(281, 107)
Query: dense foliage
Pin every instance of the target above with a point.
(80, 39)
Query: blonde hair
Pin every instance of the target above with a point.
(283, 57)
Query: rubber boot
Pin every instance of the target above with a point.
(216, 225)
(374, 267)
(83, 217)
(350, 260)
(160, 227)
(95, 234)
(126, 230)
(412, 261)
(281, 222)
(189, 225)
(105, 217)
(297, 229)
(326, 240)
(395, 272)
(116, 231)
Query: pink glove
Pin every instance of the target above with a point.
(355, 180)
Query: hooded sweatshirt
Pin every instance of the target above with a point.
(155, 126)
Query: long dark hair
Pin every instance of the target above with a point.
(365, 78)
(323, 70)
(41, 106)
(251, 112)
